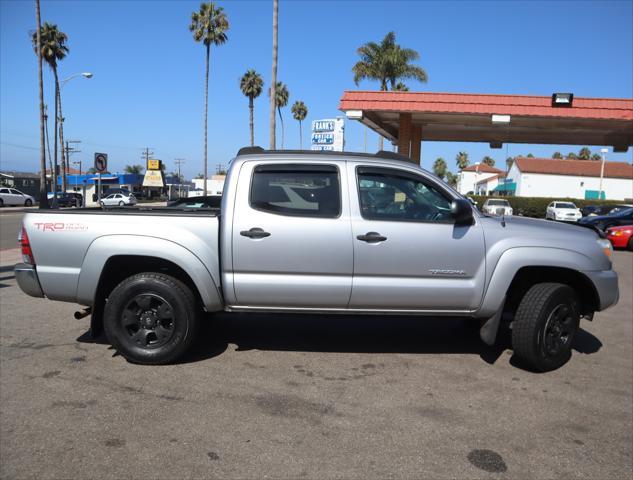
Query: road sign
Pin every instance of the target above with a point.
(101, 162)
(153, 164)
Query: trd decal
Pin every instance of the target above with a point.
(60, 226)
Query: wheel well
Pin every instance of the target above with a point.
(120, 267)
(526, 277)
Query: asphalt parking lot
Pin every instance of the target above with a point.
(269, 396)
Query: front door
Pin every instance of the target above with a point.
(291, 238)
(408, 252)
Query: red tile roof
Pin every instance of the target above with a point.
(490, 179)
(580, 168)
(520, 105)
(481, 168)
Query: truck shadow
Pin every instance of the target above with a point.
(355, 334)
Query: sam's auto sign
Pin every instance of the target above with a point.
(328, 134)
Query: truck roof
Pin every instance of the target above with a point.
(320, 155)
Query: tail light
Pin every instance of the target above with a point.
(25, 245)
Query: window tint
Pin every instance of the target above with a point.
(389, 195)
(4, 190)
(304, 190)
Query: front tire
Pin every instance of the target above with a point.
(630, 244)
(28, 202)
(121, 203)
(544, 326)
(151, 318)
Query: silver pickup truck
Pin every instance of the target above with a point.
(319, 232)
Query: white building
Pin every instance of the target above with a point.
(215, 186)
(546, 177)
(470, 176)
(489, 184)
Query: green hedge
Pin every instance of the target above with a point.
(536, 206)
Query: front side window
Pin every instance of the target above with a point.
(390, 195)
(300, 190)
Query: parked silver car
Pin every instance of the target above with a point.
(118, 199)
(12, 196)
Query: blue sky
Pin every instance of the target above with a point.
(147, 88)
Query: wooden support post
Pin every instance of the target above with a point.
(404, 135)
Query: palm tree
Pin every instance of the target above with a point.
(251, 85)
(299, 113)
(53, 48)
(557, 155)
(273, 78)
(440, 167)
(136, 169)
(281, 100)
(209, 26)
(584, 153)
(38, 51)
(451, 179)
(509, 162)
(387, 62)
(400, 87)
(571, 156)
(529, 155)
(596, 156)
(462, 160)
(488, 161)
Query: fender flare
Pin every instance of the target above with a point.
(512, 260)
(108, 246)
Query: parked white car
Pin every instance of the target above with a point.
(118, 199)
(497, 206)
(563, 212)
(11, 196)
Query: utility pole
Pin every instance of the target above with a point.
(602, 151)
(146, 154)
(179, 161)
(70, 150)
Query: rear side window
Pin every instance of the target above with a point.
(299, 190)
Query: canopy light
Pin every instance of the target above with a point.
(354, 114)
(562, 99)
(501, 119)
(496, 144)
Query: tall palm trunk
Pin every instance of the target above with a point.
(61, 140)
(281, 119)
(273, 78)
(206, 108)
(43, 197)
(54, 172)
(300, 136)
(251, 124)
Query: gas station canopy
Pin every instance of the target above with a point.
(407, 118)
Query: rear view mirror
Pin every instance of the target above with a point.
(462, 211)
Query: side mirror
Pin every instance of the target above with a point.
(462, 212)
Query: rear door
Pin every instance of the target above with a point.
(291, 236)
(408, 252)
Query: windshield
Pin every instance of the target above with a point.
(623, 213)
(498, 203)
(565, 205)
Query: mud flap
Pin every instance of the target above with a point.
(488, 331)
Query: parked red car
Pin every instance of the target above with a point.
(621, 237)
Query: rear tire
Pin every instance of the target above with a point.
(151, 318)
(121, 203)
(544, 326)
(1, 203)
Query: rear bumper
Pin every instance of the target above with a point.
(606, 283)
(27, 280)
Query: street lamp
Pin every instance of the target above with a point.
(75, 75)
(602, 151)
(60, 119)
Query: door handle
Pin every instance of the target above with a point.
(254, 233)
(371, 237)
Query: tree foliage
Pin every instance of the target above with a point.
(584, 153)
(137, 169)
(488, 161)
(299, 113)
(387, 62)
(557, 155)
(451, 179)
(440, 167)
(462, 160)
